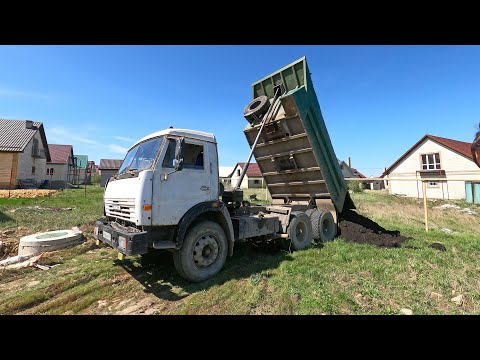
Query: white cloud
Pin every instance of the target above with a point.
(65, 136)
(124, 138)
(117, 149)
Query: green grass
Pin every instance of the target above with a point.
(263, 196)
(337, 278)
(13, 211)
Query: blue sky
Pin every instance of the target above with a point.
(377, 101)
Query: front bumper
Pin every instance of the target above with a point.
(128, 243)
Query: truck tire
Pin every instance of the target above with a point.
(323, 225)
(203, 253)
(257, 106)
(299, 232)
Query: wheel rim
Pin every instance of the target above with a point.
(301, 232)
(327, 228)
(205, 251)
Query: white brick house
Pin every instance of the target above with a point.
(433, 157)
(253, 178)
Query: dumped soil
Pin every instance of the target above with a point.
(359, 229)
(438, 246)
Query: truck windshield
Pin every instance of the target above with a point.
(141, 156)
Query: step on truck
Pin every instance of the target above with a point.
(167, 194)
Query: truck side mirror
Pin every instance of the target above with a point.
(179, 148)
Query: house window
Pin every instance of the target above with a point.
(35, 150)
(33, 170)
(48, 171)
(238, 172)
(256, 182)
(431, 161)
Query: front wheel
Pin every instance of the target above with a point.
(203, 253)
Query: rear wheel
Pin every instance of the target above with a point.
(323, 225)
(299, 232)
(203, 253)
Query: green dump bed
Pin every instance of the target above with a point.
(294, 153)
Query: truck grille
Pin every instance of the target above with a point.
(121, 208)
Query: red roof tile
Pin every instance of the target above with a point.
(59, 153)
(253, 169)
(358, 173)
(460, 147)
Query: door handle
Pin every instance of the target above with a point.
(205, 188)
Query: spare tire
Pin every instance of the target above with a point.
(258, 107)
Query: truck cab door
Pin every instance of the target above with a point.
(183, 189)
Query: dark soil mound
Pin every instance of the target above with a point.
(438, 246)
(357, 228)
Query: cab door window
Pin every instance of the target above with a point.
(192, 156)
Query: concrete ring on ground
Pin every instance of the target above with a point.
(48, 241)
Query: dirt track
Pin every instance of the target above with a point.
(357, 228)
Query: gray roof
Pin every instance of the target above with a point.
(14, 136)
(106, 164)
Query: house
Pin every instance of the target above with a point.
(23, 152)
(253, 178)
(350, 172)
(375, 184)
(92, 168)
(224, 173)
(108, 168)
(82, 164)
(433, 157)
(62, 168)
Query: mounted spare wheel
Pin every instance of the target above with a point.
(323, 225)
(257, 107)
(48, 241)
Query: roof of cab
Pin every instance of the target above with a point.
(193, 134)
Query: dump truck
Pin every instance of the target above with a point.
(167, 194)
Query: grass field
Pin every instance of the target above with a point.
(337, 278)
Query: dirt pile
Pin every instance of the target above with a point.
(26, 193)
(357, 228)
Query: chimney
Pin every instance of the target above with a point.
(28, 124)
(349, 162)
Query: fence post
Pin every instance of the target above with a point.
(424, 188)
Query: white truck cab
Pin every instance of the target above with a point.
(149, 168)
(165, 192)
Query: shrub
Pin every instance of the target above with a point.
(355, 186)
(96, 179)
